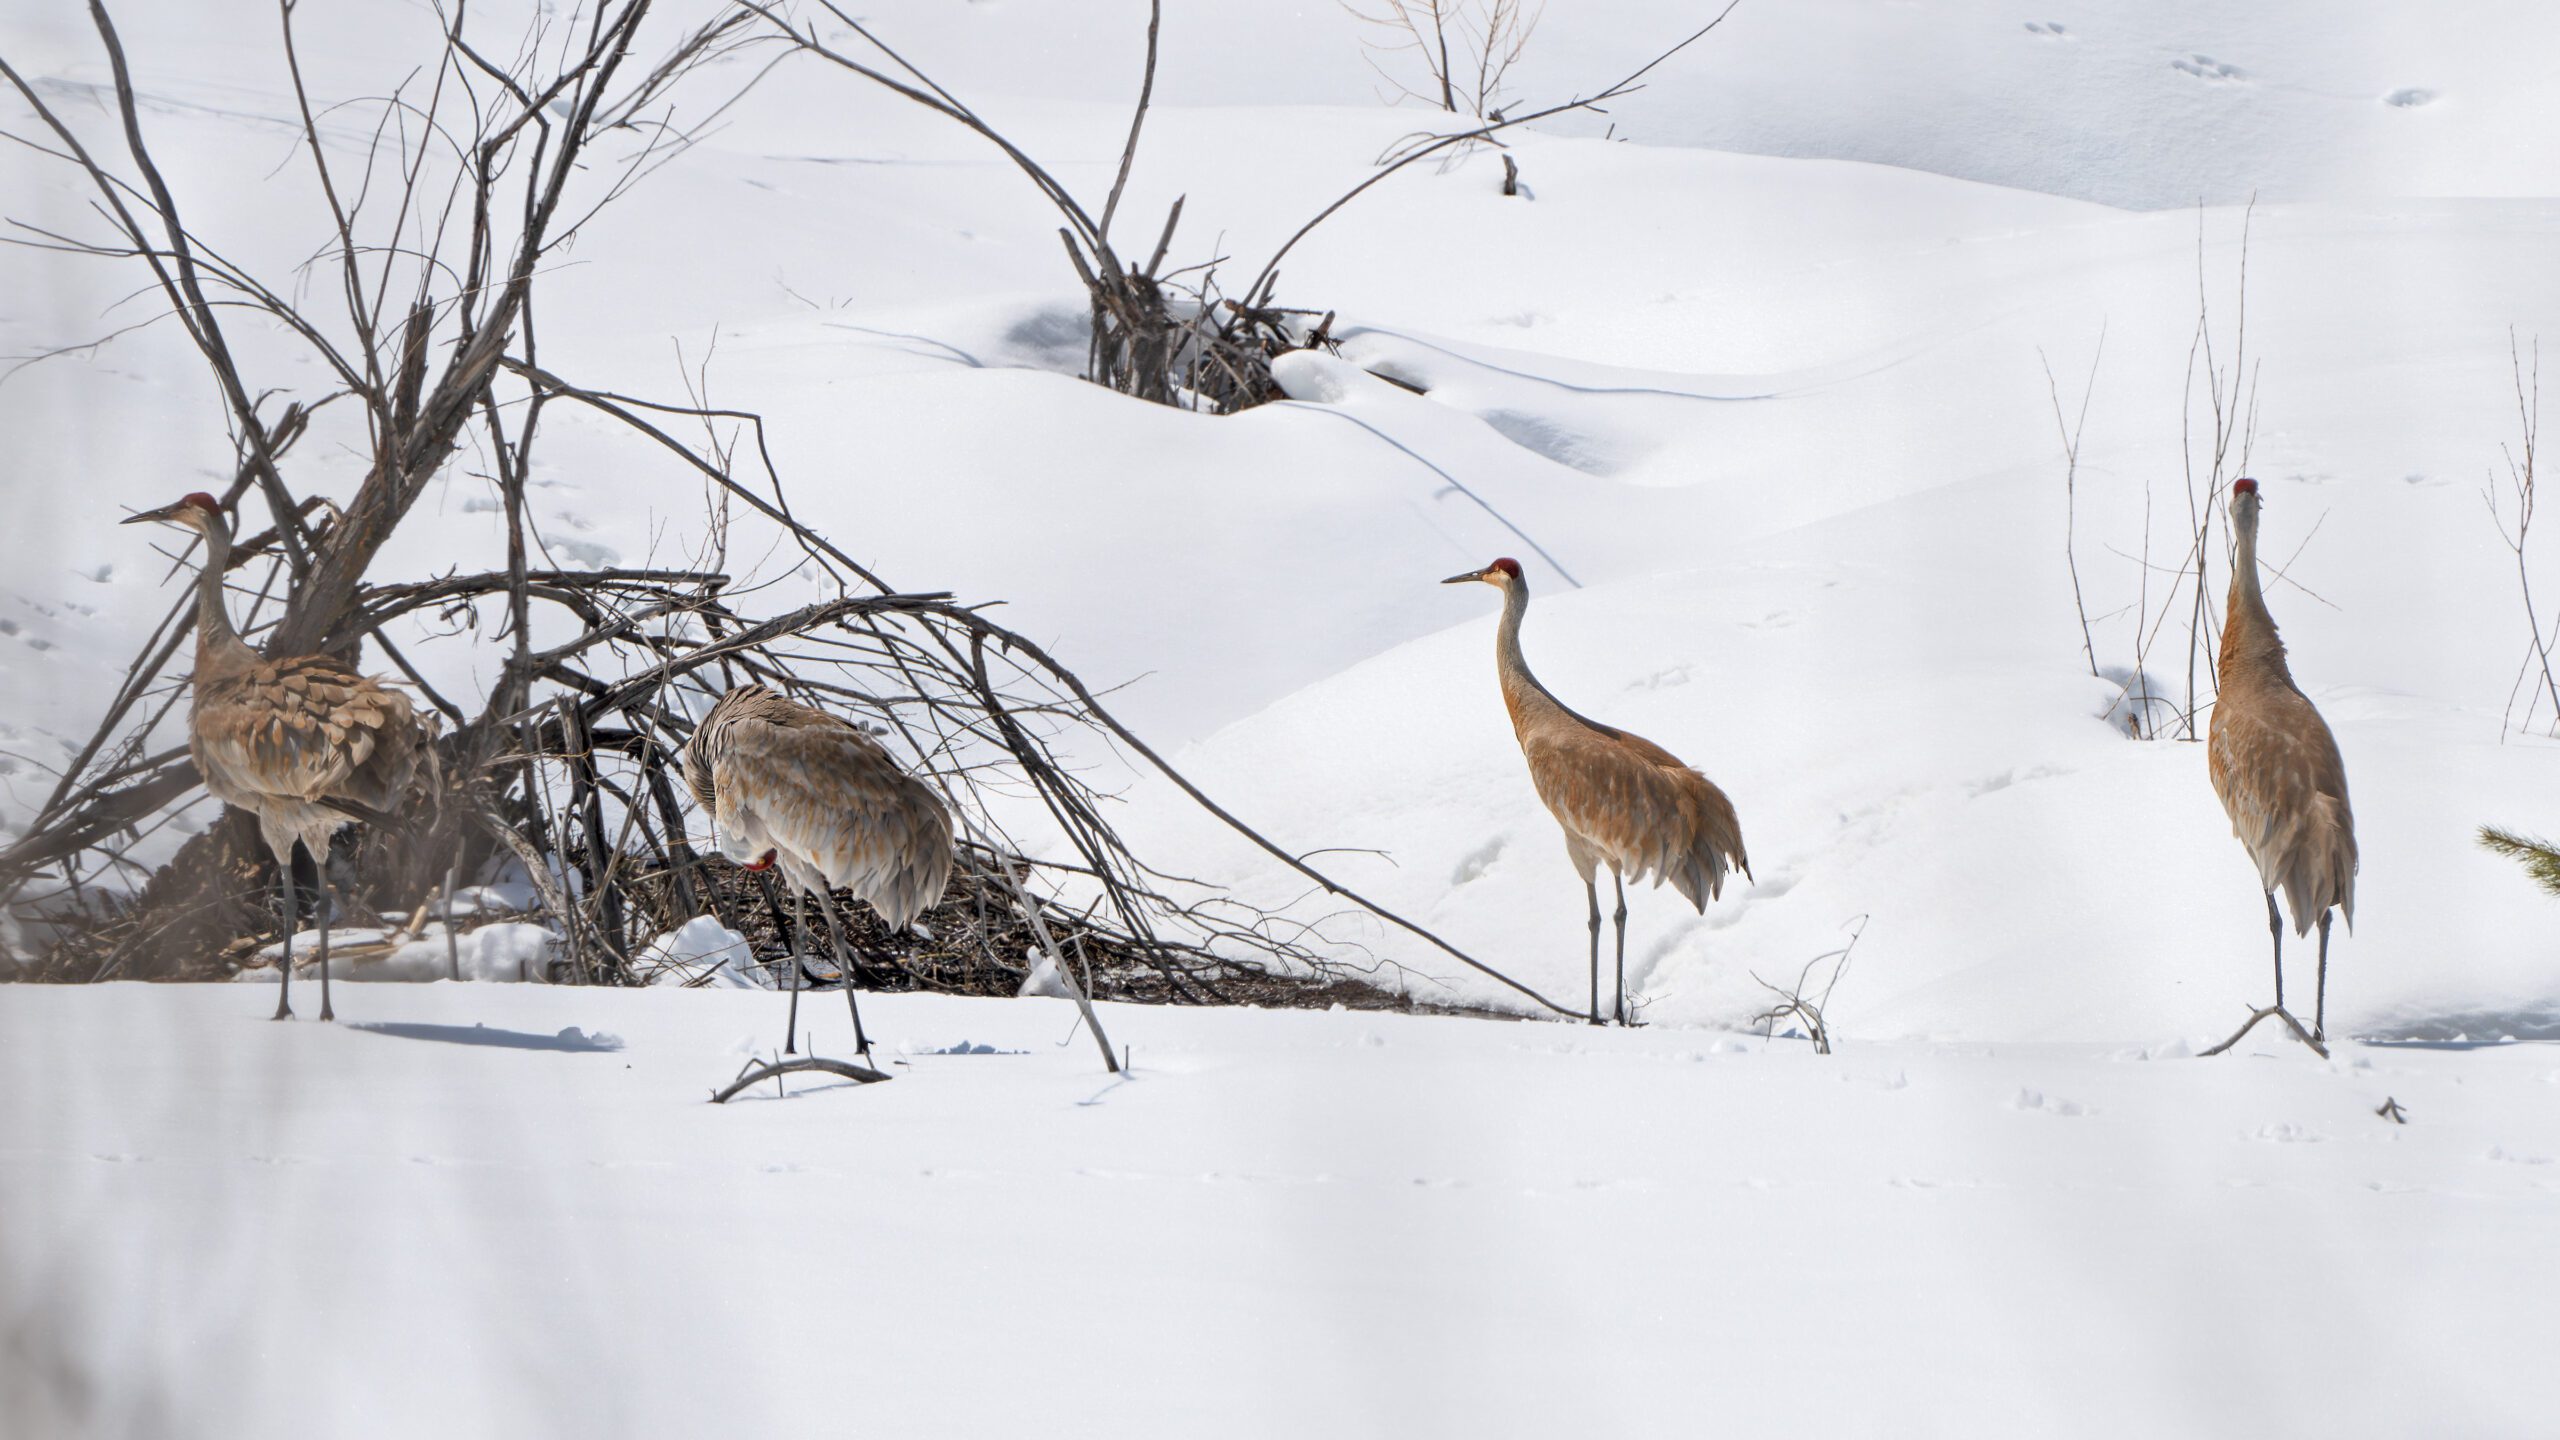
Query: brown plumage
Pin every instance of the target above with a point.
(1623, 801)
(788, 785)
(302, 743)
(2277, 768)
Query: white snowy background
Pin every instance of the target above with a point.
(1753, 383)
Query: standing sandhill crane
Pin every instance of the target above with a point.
(2277, 768)
(303, 743)
(1623, 801)
(788, 785)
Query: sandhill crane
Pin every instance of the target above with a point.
(302, 743)
(796, 787)
(1623, 801)
(2277, 769)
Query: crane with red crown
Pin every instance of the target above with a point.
(2277, 771)
(302, 743)
(1623, 801)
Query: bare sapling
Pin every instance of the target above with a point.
(1798, 1005)
(2070, 432)
(2512, 512)
(1464, 49)
(2217, 428)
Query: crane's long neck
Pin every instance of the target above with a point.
(1522, 695)
(2248, 631)
(219, 649)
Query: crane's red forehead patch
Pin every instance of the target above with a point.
(2244, 486)
(202, 501)
(1507, 566)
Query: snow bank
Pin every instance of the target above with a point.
(701, 951)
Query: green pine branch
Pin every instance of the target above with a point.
(2540, 858)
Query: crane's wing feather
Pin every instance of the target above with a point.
(832, 795)
(2277, 770)
(1635, 805)
(307, 729)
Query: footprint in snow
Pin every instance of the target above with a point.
(2006, 778)
(1477, 861)
(2049, 1104)
(2048, 29)
(1664, 679)
(2501, 1153)
(2285, 1132)
(2205, 67)
(588, 553)
(2408, 97)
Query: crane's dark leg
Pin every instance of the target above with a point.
(800, 927)
(844, 963)
(284, 967)
(322, 917)
(1591, 888)
(2320, 1005)
(2275, 932)
(1621, 883)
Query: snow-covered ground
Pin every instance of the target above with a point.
(1760, 400)
(509, 1212)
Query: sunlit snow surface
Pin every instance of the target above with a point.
(508, 1211)
(1766, 383)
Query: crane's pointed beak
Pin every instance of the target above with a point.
(1463, 579)
(163, 513)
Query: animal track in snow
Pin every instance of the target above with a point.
(2205, 67)
(1664, 679)
(2049, 29)
(2285, 1132)
(2408, 97)
(1477, 861)
(587, 552)
(2049, 1104)
(1990, 784)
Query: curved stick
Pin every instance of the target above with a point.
(2255, 1016)
(861, 1074)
